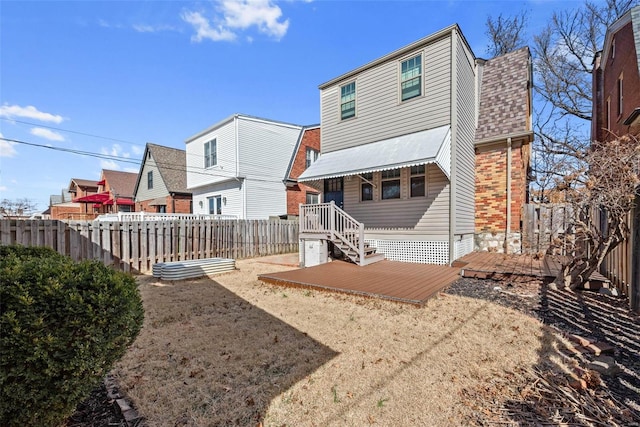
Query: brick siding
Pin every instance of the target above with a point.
(298, 193)
(491, 182)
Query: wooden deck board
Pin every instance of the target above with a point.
(414, 283)
(396, 281)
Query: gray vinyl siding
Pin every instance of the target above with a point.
(464, 190)
(379, 112)
(425, 216)
(159, 188)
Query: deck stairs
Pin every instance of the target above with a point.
(328, 222)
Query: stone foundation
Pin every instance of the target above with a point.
(494, 242)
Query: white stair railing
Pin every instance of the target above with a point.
(329, 220)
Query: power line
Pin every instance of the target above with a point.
(170, 166)
(70, 131)
(128, 142)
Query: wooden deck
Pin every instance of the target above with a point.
(416, 283)
(486, 265)
(390, 280)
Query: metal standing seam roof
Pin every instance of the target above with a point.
(429, 146)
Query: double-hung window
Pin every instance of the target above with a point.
(348, 101)
(210, 153)
(391, 184)
(215, 205)
(366, 187)
(149, 180)
(411, 78)
(312, 198)
(418, 188)
(312, 156)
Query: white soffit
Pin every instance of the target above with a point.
(429, 146)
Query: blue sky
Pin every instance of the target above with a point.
(107, 77)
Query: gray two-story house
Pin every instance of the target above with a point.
(396, 167)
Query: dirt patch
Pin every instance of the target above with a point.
(234, 351)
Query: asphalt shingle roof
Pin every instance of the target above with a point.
(504, 96)
(121, 183)
(172, 164)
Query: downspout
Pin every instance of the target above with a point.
(243, 186)
(507, 230)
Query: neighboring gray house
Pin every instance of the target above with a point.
(397, 154)
(236, 167)
(162, 181)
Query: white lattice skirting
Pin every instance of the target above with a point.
(463, 247)
(416, 252)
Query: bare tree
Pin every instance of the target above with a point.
(563, 53)
(17, 208)
(506, 34)
(600, 187)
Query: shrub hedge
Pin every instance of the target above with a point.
(63, 324)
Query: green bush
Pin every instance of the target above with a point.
(63, 325)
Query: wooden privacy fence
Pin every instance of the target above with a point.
(544, 225)
(136, 246)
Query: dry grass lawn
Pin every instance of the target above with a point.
(235, 351)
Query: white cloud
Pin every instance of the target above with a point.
(47, 134)
(204, 30)
(7, 148)
(137, 150)
(109, 164)
(133, 170)
(145, 28)
(30, 112)
(234, 16)
(3, 188)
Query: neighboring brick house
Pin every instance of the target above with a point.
(115, 194)
(503, 151)
(616, 112)
(161, 185)
(63, 207)
(616, 80)
(305, 153)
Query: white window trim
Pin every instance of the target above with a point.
(422, 69)
(204, 149)
(355, 112)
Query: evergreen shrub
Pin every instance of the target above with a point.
(63, 324)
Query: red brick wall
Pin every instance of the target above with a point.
(491, 183)
(298, 193)
(64, 212)
(182, 204)
(624, 62)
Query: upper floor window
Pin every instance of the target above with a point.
(366, 187)
(411, 78)
(312, 156)
(348, 101)
(150, 180)
(418, 176)
(391, 184)
(620, 97)
(210, 153)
